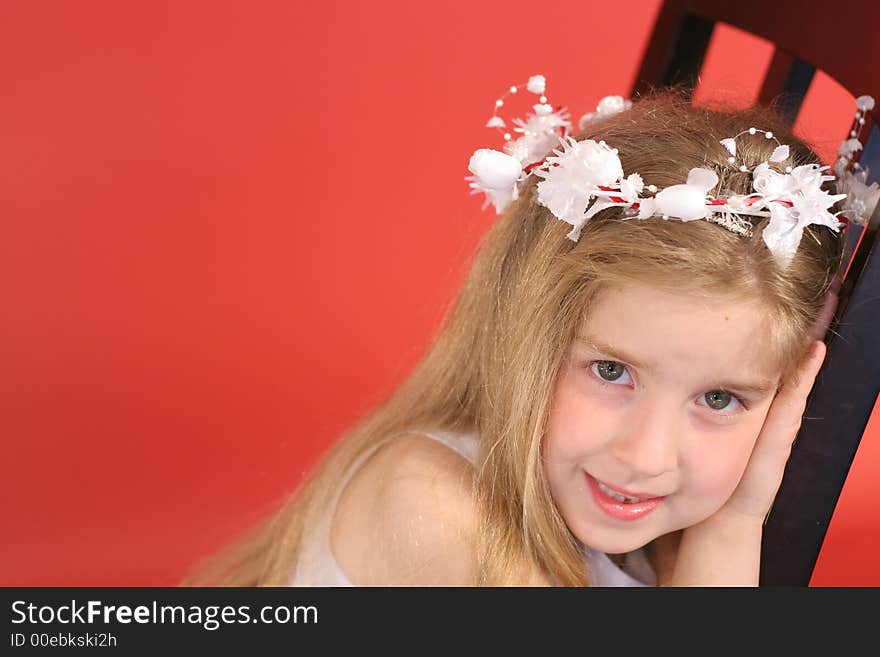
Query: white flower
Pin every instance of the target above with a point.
(522, 149)
(493, 169)
(543, 121)
(812, 208)
(531, 148)
(608, 106)
(541, 134)
(848, 147)
(587, 163)
(769, 183)
(808, 179)
(802, 188)
(496, 175)
(537, 84)
(574, 175)
(500, 198)
(865, 103)
(631, 187)
(783, 234)
(612, 105)
(861, 199)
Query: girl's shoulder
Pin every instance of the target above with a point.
(407, 517)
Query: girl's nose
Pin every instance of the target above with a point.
(648, 446)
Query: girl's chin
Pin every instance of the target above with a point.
(614, 545)
(615, 542)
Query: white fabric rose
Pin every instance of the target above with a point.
(496, 175)
(573, 178)
(770, 183)
(493, 169)
(591, 162)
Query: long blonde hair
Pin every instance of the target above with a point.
(492, 367)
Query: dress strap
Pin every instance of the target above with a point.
(466, 444)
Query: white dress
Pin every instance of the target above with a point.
(323, 569)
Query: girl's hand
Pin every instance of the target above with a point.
(760, 482)
(725, 549)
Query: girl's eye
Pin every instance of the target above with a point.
(719, 400)
(610, 371)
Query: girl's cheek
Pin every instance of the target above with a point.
(580, 421)
(716, 470)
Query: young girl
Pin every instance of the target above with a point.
(613, 397)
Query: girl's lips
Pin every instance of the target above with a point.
(629, 493)
(621, 510)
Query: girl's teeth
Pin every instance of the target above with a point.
(617, 496)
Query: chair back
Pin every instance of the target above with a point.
(842, 43)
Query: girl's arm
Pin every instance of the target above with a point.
(717, 554)
(725, 549)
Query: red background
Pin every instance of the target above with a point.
(228, 229)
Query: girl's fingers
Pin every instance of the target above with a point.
(787, 411)
(773, 447)
(826, 315)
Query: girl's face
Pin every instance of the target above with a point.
(661, 398)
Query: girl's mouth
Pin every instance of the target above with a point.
(618, 505)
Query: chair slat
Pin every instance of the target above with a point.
(789, 95)
(836, 416)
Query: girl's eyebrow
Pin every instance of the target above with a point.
(762, 387)
(607, 349)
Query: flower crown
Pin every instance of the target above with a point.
(582, 178)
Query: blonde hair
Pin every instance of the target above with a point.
(492, 367)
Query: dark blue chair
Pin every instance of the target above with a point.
(841, 41)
